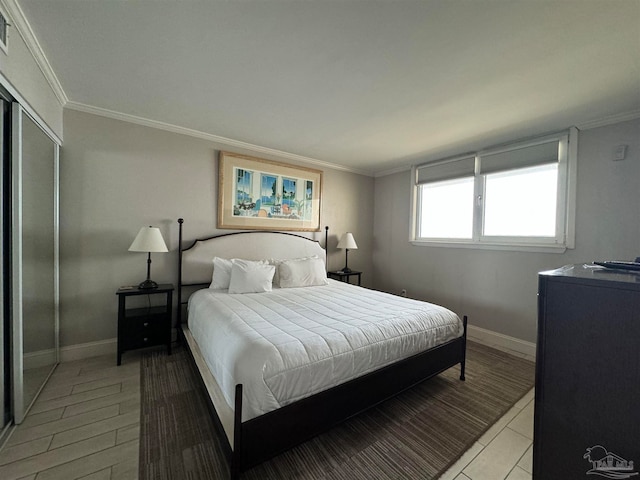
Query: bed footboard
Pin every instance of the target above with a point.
(463, 346)
(261, 438)
(268, 435)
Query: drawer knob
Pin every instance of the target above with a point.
(146, 324)
(145, 339)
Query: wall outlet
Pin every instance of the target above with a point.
(403, 292)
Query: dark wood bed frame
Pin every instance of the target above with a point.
(268, 435)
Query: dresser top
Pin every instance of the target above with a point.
(594, 274)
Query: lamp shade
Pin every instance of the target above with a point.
(347, 241)
(149, 239)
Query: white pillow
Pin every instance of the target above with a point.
(221, 273)
(305, 272)
(276, 263)
(251, 277)
(276, 277)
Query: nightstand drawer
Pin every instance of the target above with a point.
(146, 325)
(144, 339)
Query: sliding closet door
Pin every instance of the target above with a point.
(5, 332)
(34, 252)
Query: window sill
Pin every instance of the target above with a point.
(493, 246)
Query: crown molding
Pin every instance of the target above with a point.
(391, 171)
(228, 142)
(23, 27)
(610, 120)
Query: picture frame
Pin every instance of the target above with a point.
(259, 194)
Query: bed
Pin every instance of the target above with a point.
(282, 366)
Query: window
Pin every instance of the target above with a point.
(446, 209)
(521, 203)
(516, 196)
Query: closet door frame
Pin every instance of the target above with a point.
(17, 116)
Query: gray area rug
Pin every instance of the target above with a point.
(416, 435)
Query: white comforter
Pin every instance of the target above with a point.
(293, 342)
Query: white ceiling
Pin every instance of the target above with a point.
(370, 85)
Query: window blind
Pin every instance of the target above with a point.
(530, 156)
(445, 170)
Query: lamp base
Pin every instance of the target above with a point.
(147, 284)
(346, 270)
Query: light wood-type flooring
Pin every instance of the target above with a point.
(85, 425)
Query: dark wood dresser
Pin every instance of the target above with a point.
(587, 398)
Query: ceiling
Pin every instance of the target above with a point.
(368, 85)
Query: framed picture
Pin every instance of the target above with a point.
(257, 194)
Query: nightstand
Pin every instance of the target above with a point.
(144, 326)
(344, 277)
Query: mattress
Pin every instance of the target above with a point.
(291, 343)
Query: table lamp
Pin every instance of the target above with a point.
(347, 242)
(149, 239)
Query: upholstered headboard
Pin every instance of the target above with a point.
(196, 260)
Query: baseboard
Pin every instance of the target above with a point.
(502, 342)
(87, 350)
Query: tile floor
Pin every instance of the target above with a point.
(85, 425)
(32, 379)
(504, 452)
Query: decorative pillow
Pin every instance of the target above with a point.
(305, 272)
(251, 277)
(221, 273)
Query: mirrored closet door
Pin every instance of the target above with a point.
(5, 265)
(34, 269)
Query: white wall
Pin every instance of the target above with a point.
(498, 289)
(117, 177)
(23, 75)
